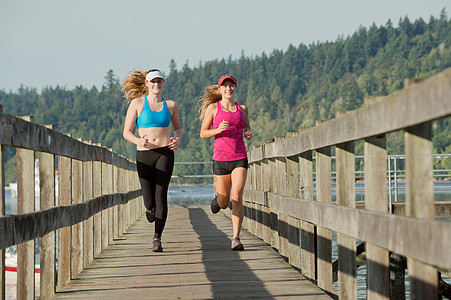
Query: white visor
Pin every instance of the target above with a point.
(153, 75)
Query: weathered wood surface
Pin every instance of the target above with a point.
(16, 229)
(401, 228)
(39, 138)
(196, 264)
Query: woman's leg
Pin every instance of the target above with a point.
(163, 173)
(238, 181)
(222, 186)
(145, 161)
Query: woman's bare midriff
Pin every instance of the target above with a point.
(156, 137)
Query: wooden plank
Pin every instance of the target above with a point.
(392, 232)
(293, 179)
(378, 262)
(64, 234)
(122, 208)
(131, 204)
(442, 208)
(324, 235)
(126, 182)
(282, 219)
(107, 225)
(88, 230)
(420, 204)
(196, 264)
(39, 138)
(77, 229)
(308, 232)
(347, 272)
(47, 242)
(274, 214)
(97, 219)
(25, 204)
(18, 229)
(116, 229)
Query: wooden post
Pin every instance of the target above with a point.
(77, 229)
(97, 192)
(324, 235)
(260, 208)
(131, 204)
(378, 263)
(265, 171)
(274, 214)
(308, 234)
(116, 230)
(25, 204)
(106, 189)
(249, 221)
(420, 204)
(64, 234)
(103, 213)
(293, 179)
(88, 233)
(347, 273)
(282, 219)
(47, 242)
(126, 187)
(2, 213)
(122, 207)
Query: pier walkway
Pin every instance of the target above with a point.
(196, 264)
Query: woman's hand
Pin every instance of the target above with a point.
(174, 144)
(248, 135)
(223, 126)
(143, 141)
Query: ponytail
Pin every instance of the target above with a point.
(211, 95)
(135, 85)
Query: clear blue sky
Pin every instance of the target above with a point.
(70, 43)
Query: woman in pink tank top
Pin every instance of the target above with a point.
(228, 122)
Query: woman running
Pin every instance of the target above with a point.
(155, 148)
(230, 123)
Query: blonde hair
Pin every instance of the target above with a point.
(135, 85)
(211, 95)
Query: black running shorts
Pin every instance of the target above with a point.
(226, 167)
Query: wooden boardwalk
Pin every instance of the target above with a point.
(197, 263)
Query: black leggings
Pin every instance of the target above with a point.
(155, 170)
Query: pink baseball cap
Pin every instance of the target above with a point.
(221, 80)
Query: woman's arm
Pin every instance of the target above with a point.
(129, 124)
(175, 122)
(205, 130)
(247, 126)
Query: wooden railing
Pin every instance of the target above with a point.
(98, 198)
(279, 195)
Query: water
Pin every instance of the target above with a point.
(190, 195)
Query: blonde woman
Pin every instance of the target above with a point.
(152, 115)
(228, 122)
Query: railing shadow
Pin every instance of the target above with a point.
(226, 271)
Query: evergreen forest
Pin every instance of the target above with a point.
(284, 90)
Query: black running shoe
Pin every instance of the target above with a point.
(150, 214)
(156, 246)
(215, 208)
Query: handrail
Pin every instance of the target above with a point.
(98, 199)
(279, 193)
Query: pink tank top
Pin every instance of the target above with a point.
(229, 144)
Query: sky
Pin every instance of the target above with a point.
(49, 43)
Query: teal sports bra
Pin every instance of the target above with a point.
(150, 118)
